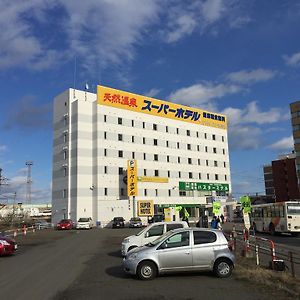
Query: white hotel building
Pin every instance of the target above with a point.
(181, 154)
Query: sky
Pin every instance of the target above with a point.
(236, 57)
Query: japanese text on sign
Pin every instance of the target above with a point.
(124, 100)
(202, 186)
(132, 178)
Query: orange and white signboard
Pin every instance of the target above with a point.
(132, 178)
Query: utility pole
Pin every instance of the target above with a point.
(29, 164)
(3, 180)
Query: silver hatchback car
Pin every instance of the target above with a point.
(188, 249)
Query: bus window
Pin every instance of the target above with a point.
(281, 211)
(293, 209)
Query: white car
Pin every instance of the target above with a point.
(149, 234)
(85, 223)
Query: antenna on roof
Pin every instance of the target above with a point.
(86, 88)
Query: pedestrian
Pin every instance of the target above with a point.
(214, 223)
(186, 219)
(222, 219)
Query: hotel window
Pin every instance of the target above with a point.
(224, 164)
(179, 174)
(120, 121)
(65, 172)
(132, 139)
(198, 148)
(168, 158)
(133, 155)
(197, 133)
(188, 133)
(167, 144)
(120, 153)
(145, 192)
(156, 157)
(154, 127)
(144, 140)
(225, 177)
(145, 172)
(177, 130)
(215, 163)
(105, 118)
(105, 152)
(216, 177)
(144, 125)
(156, 192)
(188, 146)
(167, 129)
(65, 154)
(120, 171)
(190, 175)
(223, 151)
(105, 135)
(144, 156)
(122, 192)
(189, 161)
(169, 174)
(120, 137)
(213, 137)
(178, 159)
(199, 162)
(66, 119)
(156, 173)
(199, 175)
(207, 176)
(132, 123)
(177, 145)
(205, 135)
(223, 139)
(206, 162)
(155, 142)
(206, 149)
(105, 169)
(65, 137)
(214, 150)
(105, 191)
(64, 193)
(169, 193)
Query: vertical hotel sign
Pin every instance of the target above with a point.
(132, 178)
(142, 104)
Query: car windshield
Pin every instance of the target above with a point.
(65, 221)
(135, 220)
(119, 219)
(160, 239)
(84, 220)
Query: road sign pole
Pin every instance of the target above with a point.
(134, 206)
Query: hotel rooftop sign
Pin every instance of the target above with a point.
(138, 103)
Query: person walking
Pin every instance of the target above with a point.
(214, 223)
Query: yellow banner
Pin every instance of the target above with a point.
(153, 179)
(132, 189)
(142, 104)
(145, 208)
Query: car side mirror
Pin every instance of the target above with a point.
(163, 246)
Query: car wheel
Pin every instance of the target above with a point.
(223, 268)
(146, 270)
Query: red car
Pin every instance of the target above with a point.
(7, 246)
(65, 224)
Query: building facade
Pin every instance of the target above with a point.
(181, 155)
(268, 178)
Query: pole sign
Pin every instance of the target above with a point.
(132, 178)
(203, 186)
(145, 208)
(216, 207)
(246, 204)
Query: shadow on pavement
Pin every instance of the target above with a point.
(115, 254)
(117, 271)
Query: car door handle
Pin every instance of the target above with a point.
(187, 253)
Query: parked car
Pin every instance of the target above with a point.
(188, 249)
(65, 224)
(135, 222)
(156, 218)
(149, 234)
(42, 224)
(118, 222)
(8, 246)
(85, 223)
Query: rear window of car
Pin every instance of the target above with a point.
(173, 226)
(84, 220)
(204, 237)
(118, 219)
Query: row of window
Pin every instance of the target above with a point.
(168, 129)
(178, 145)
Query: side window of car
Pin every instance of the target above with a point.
(157, 230)
(173, 226)
(178, 240)
(204, 237)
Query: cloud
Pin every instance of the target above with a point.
(27, 114)
(3, 148)
(152, 93)
(244, 138)
(202, 93)
(285, 144)
(250, 77)
(292, 60)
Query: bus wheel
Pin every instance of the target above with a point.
(272, 229)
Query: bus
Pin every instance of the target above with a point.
(279, 217)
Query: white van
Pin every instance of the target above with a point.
(84, 223)
(149, 234)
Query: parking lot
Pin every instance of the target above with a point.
(87, 265)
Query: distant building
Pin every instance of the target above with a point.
(281, 178)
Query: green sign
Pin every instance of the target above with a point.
(203, 186)
(246, 203)
(216, 207)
